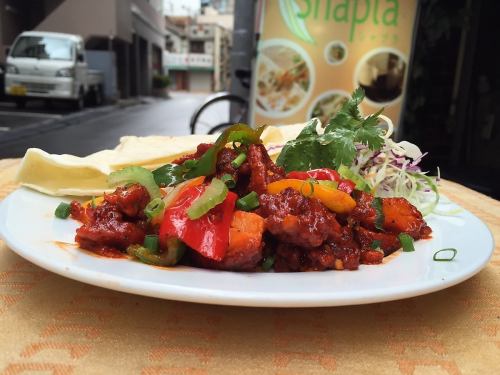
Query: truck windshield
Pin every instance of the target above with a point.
(47, 48)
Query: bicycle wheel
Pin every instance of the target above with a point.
(219, 111)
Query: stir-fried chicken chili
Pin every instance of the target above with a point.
(221, 210)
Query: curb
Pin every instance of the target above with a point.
(59, 123)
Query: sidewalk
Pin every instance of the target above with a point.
(54, 121)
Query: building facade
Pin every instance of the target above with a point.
(198, 55)
(133, 30)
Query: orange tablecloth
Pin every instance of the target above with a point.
(53, 325)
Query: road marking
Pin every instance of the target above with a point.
(4, 129)
(30, 114)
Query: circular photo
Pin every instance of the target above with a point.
(326, 105)
(335, 52)
(381, 74)
(284, 78)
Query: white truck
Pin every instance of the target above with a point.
(47, 65)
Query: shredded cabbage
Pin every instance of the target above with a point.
(393, 171)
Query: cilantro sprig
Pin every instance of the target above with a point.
(337, 145)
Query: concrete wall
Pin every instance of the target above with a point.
(90, 18)
(105, 61)
(200, 81)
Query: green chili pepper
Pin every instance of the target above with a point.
(214, 194)
(237, 133)
(135, 174)
(169, 175)
(151, 243)
(170, 256)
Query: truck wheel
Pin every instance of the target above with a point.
(97, 96)
(20, 103)
(79, 103)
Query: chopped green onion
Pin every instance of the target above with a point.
(240, 159)
(310, 182)
(154, 208)
(375, 244)
(449, 259)
(63, 210)
(151, 243)
(135, 174)
(268, 263)
(406, 242)
(214, 194)
(248, 202)
(379, 212)
(228, 180)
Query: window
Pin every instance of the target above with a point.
(197, 47)
(47, 48)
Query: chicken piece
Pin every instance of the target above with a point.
(262, 169)
(200, 151)
(297, 220)
(131, 200)
(107, 229)
(399, 216)
(244, 251)
(388, 242)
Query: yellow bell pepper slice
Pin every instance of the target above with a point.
(335, 200)
(97, 201)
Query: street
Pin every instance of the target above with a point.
(102, 130)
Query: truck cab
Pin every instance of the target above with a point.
(47, 65)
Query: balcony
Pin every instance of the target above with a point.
(190, 61)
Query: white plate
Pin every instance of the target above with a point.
(29, 228)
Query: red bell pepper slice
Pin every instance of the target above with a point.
(208, 235)
(318, 174)
(347, 186)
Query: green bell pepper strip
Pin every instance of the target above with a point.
(169, 257)
(237, 133)
(135, 174)
(213, 195)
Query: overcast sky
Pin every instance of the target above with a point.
(178, 7)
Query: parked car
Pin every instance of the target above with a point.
(47, 65)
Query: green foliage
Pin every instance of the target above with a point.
(337, 145)
(160, 81)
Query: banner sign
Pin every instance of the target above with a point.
(313, 53)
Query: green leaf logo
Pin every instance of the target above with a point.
(289, 11)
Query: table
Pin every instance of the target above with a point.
(53, 325)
